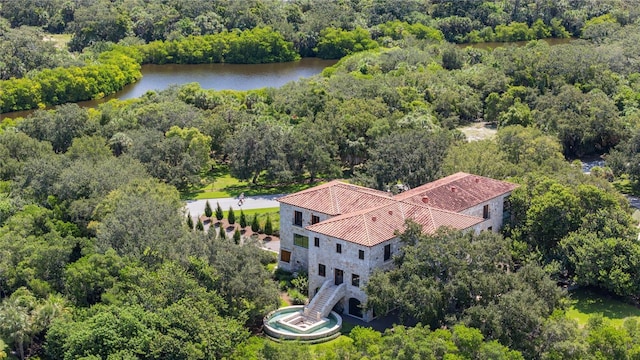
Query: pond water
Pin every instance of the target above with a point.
(235, 76)
(210, 76)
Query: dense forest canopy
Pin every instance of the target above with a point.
(96, 259)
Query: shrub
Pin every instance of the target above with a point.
(219, 213)
(189, 221)
(231, 216)
(268, 226)
(237, 236)
(243, 219)
(207, 209)
(255, 225)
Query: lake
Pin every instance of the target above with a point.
(235, 76)
(210, 76)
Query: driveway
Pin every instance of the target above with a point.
(196, 207)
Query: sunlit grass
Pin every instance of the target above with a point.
(220, 184)
(60, 40)
(585, 304)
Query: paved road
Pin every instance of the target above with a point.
(196, 207)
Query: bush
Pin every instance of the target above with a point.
(243, 219)
(297, 298)
(255, 225)
(199, 225)
(231, 216)
(268, 226)
(189, 221)
(219, 213)
(207, 209)
(237, 236)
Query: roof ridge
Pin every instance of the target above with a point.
(432, 185)
(366, 229)
(334, 200)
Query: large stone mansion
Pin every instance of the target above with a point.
(340, 233)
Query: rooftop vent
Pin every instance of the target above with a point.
(374, 218)
(390, 212)
(453, 188)
(477, 180)
(425, 199)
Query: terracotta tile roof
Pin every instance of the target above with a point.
(373, 226)
(337, 197)
(457, 192)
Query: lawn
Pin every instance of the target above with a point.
(585, 303)
(220, 184)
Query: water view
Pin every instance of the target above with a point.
(210, 76)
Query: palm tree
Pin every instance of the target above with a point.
(16, 324)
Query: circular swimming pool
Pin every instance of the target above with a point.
(289, 323)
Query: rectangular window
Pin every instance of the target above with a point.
(316, 242)
(485, 212)
(339, 248)
(302, 241)
(297, 218)
(285, 256)
(322, 270)
(387, 252)
(315, 219)
(361, 254)
(355, 280)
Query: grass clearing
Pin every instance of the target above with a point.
(479, 131)
(220, 184)
(585, 303)
(60, 40)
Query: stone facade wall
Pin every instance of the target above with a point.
(350, 263)
(348, 260)
(299, 255)
(496, 211)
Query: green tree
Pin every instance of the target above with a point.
(243, 219)
(268, 226)
(255, 225)
(237, 236)
(189, 221)
(199, 225)
(412, 157)
(219, 213)
(127, 219)
(207, 209)
(231, 216)
(222, 233)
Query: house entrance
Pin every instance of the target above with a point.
(354, 307)
(339, 274)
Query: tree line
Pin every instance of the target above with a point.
(96, 258)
